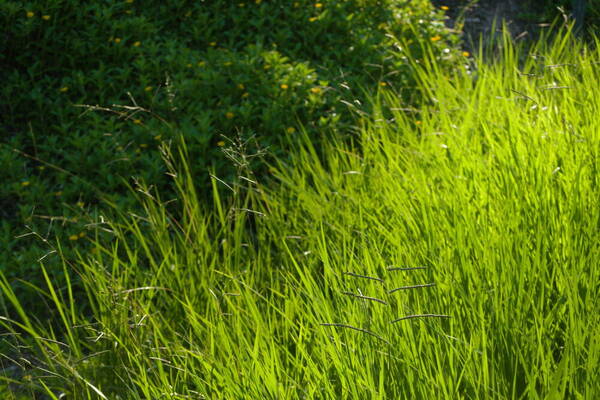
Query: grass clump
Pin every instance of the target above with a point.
(490, 186)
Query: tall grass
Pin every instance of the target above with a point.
(489, 191)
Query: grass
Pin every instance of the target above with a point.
(286, 286)
(92, 84)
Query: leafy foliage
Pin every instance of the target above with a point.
(95, 87)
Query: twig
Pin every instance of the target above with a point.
(556, 87)
(260, 214)
(223, 182)
(404, 269)
(414, 110)
(356, 329)
(524, 96)
(141, 288)
(364, 276)
(421, 316)
(560, 65)
(360, 296)
(411, 287)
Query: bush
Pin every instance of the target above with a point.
(95, 87)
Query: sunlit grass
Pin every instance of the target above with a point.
(489, 190)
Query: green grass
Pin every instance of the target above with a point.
(491, 185)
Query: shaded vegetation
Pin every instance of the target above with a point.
(93, 88)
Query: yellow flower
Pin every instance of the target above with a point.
(312, 19)
(229, 115)
(80, 204)
(315, 90)
(30, 14)
(466, 53)
(445, 8)
(157, 137)
(25, 183)
(240, 86)
(46, 17)
(81, 234)
(64, 89)
(117, 40)
(382, 84)
(291, 129)
(148, 88)
(258, 1)
(435, 38)
(318, 5)
(283, 86)
(245, 95)
(73, 237)
(212, 44)
(220, 143)
(137, 121)
(137, 44)
(201, 63)
(418, 123)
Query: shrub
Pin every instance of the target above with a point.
(157, 70)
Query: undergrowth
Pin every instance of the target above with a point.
(92, 89)
(451, 252)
